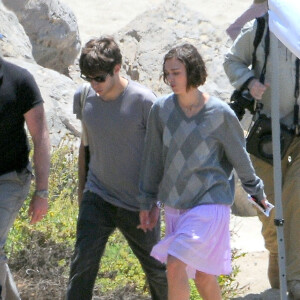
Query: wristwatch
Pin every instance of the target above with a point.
(159, 204)
(42, 194)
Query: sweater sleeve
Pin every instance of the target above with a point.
(235, 149)
(239, 58)
(152, 162)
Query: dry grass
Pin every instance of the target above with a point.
(41, 273)
(41, 270)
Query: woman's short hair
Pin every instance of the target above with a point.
(193, 62)
(100, 56)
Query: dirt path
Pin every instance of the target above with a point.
(253, 266)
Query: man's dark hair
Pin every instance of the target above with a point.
(99, 56)
(193, 62)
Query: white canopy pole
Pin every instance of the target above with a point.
(284, 26)
(279, 222)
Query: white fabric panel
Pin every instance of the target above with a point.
(284, 20)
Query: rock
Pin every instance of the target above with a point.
(52, 30)
(57, 91)
(270, 294)
(14, 41)
(146, 40)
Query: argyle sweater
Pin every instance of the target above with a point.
(189, 161)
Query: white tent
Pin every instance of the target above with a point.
(284, 22)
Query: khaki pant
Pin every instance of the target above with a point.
(290, 205)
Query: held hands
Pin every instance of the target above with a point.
(38, 208)
(148, 218)
(257, 89)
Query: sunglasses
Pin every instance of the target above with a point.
(100, 78)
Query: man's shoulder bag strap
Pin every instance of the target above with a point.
(83, 95)
(261, 22)
(84, 136)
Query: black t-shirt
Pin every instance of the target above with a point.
(18, 94)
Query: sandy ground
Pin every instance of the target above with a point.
(247, 239)
(97, 17)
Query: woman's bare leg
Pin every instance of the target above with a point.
(208, 286)
(178, 283)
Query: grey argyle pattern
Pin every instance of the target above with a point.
(188, 161)
(189, 148)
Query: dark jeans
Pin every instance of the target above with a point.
(96, 222)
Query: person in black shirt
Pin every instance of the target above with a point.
(20, 102)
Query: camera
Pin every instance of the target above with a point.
(241, 100)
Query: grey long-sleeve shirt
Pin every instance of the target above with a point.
(188, 161)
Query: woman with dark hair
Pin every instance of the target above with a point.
(193, 141)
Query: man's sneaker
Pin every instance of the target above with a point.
(294, 289)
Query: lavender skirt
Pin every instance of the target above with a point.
(199, 237)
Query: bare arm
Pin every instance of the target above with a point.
(37, 126)
(81, 172)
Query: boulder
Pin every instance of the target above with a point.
(13, 40)
(57, 91)
(52, 29)
(146, 40)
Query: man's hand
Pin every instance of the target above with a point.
(257, 89)
(148, 219)
(153, 217)
(144, 220)
(38, 208)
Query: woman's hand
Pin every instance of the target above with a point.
(264, 203)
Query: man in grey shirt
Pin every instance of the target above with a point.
(114, 116)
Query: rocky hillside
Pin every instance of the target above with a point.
(43, 37)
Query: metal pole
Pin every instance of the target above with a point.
(279, 221)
